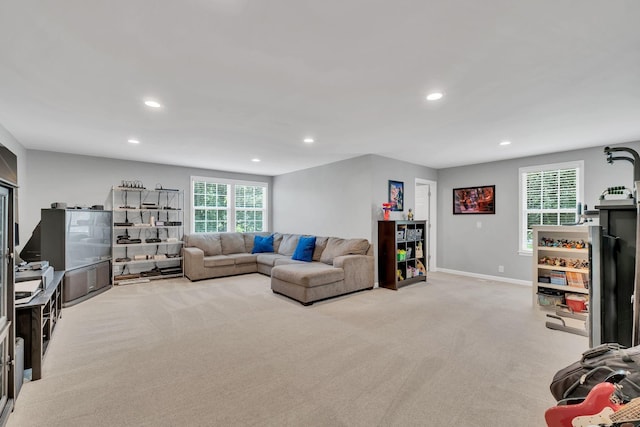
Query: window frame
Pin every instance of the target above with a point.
(231, 199)
(522, 190)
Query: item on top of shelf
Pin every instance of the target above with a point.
(550, 297)
(170, 270)
(577, 302)
(159, 256)
(419, 253)
(152, 240)
(126, 276)
(160, 188)
(58, 205)
(153, 272)
(97, 207)
(410, 215)
(387, 207)
(132, 185)
(558, 277)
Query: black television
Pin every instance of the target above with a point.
(31, 250)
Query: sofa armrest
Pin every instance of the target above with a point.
(358, 270)
(193, 259)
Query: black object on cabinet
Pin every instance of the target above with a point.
(618, 272)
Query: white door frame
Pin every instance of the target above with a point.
(433, 209)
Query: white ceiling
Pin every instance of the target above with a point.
(251, 78)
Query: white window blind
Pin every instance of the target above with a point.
(549, 196)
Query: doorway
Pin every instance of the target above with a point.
(425, 196)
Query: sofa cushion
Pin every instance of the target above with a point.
(277, 239)
(208, 242)
(248, 239)
(288, 244)
(218, 261)
(321, 244)
(243, 258)
(304, 249)
(308, 275)
(262, 244)
(232, 243)
(338, 247)
(270, 259)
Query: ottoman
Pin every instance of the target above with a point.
(307, 283)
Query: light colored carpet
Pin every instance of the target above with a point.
(454, 351)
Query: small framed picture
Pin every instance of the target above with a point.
(474, 200)
(396, 195)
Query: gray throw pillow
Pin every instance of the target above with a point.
(232, 243)
(288, 244)
(208, 242)
(338, 247)
(321, 244)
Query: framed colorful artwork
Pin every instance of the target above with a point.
(396, 195)
(474, 200)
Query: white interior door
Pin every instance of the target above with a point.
(425, 211)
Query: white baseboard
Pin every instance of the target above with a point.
(486, 277)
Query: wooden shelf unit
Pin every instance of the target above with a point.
(396, 236)
(557, 234)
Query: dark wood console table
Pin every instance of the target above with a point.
(35, 322)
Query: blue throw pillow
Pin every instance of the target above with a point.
(262, 244)
(304, 250)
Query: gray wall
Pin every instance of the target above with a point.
(329, 200)
(344, 198)
(85, 180)
(462, 246)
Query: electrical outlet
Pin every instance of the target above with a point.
(501, 269)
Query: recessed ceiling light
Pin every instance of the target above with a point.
(434, 96)
(505, 143)
(133, 141)
(152, 104)
(256, 160)
(308, 140)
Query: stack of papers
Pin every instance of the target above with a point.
(24, 291)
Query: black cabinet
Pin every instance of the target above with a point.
(618, 272)
(35, 322)
(401, 253)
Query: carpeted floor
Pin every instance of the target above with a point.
(454, 351)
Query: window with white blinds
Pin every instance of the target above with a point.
(549, 195)
(221, 205)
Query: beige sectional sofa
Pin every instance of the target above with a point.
(339, 266)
